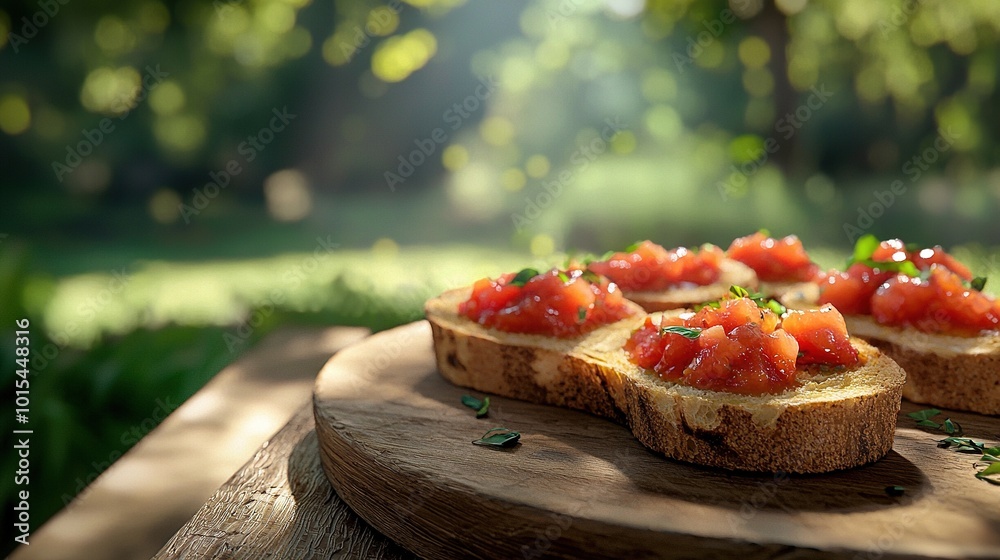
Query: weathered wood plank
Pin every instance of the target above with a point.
(280, 505)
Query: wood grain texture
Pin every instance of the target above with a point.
(395, 442)
(280, 505)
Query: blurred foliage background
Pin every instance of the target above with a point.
(175, 169)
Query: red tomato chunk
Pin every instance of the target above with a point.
(940, 304)
(650, 267)
(741, 348)
(775, 260)
(553, 303)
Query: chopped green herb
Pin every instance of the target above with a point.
(765, 232)
(978, 283)
(581, 314)
(991, 455)
(683, 331)
(482, 407)
(758, 298)
(591, 276)
(499, 437)
(522, 277)
(951, 427)
(631, 248)
(925, 414)
(712, 304)
(989, 473)
(864, 248)
(564, 277)
(962, 445)
(739, 291)
(895, 491)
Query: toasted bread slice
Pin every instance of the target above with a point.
(957, 372)
(732, 273)
(795, 295)
(834, 420)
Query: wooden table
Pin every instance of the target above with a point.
(280, 505)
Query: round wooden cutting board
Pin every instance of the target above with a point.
(395, 442)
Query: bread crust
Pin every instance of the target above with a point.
(961, 373)
(732, 273)
(834, 421)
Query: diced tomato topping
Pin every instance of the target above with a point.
(650, 267)
(741, 347)
(822, 336)
(942, 303)
(894, 250)
(775, 260)
(553, 303)
(851, 291)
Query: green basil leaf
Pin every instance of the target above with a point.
(522, 277)
(631, 248)
(928, 424)
(994, 468)
(895, 491)
(683, 331)
(865, 247)
(472, 402)
(499, 437)
(951, 427)
(483, 410)
(739, 291)
(993, 451)
(925, 414)
(978, 283)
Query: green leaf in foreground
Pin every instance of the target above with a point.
(499, 437)
(683, 331)
(990, 474)
(962, 445)
(482, 407)
(925, 414)
(951, 427)
(865, 247)
(978, 283)
(522, 277)
(895, 491)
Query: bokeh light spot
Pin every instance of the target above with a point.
(454, 157)
(537, 166)
(165, 206)
(287, 195)
(542, 245)
(513, 179)
(754, 52)
(15, 115)
(497, 131)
